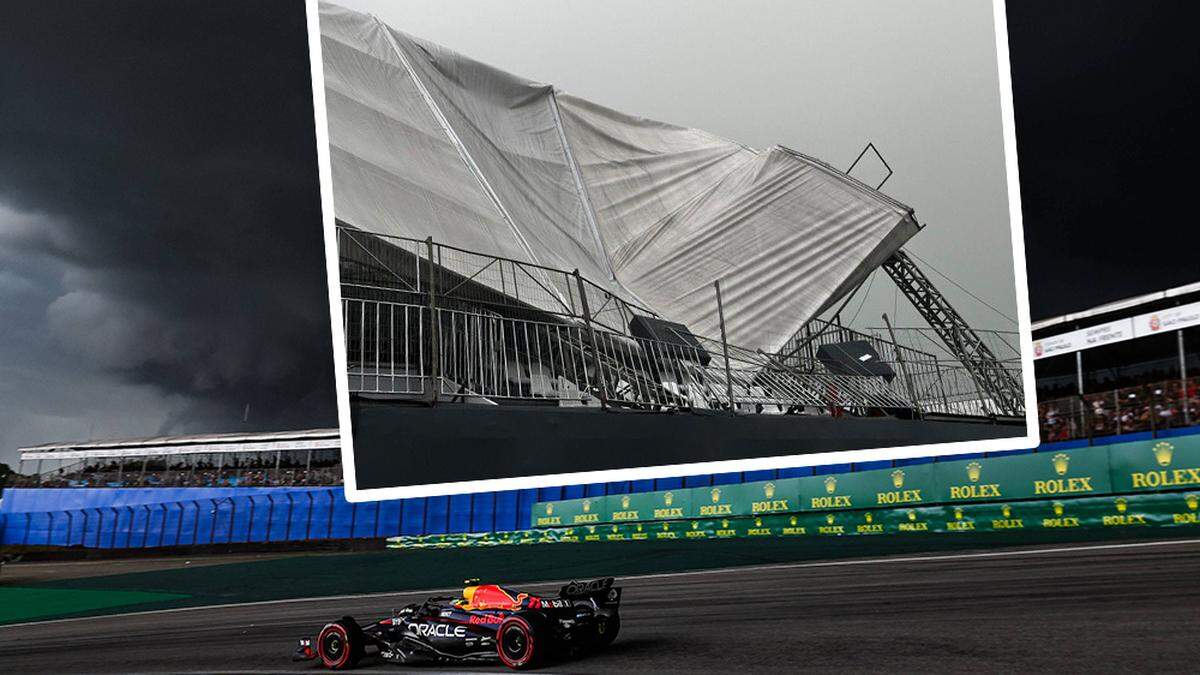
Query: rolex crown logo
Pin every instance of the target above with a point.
(725, 524)
(1193, 501)
(695, 525)
(958, 513)
(1121, 504)
(792, 521)
(973, 471)
(1061, 460)
(868, 517)
(614, 528)
(591, 529)
(758, 522)
(639, 527)
(912, 515)
(549, 509)
(666, 526)
(587, 505)
(898, 478)
(830, 484)
(829, 518)
(769, 490)
(625, 502)
(715, 494)
(1163, 452)
(668, 498)
(1058, 508)
(1006, 510)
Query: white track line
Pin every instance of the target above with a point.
(661, 575)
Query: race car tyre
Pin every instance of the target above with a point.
(607, 628)
(340, 644)
(519, 643)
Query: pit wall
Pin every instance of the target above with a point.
(150, 517)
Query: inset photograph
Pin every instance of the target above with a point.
(644, 255)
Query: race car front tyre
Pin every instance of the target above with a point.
(607, 627)
(340, 644)
(518, 642)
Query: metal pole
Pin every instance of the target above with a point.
(912, 394)
(435, 375)
(1079, 386)
(725, 348)
(1187, 413)
(587, 319)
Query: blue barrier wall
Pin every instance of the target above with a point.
(149, 517)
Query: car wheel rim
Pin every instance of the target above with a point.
(514, 642)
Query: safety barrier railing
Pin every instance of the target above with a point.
(1148, 407)
(424, 319)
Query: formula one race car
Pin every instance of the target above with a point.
(488, 623)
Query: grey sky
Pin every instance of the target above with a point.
(917, 78)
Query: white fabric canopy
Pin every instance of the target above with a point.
(426, 142)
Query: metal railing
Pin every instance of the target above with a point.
(428, 320)
(1149, 407)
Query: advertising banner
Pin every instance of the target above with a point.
(1165, 320)
(588, 511)
(910, 485)
(1039, 475)
(1160, 464)
(746, 499)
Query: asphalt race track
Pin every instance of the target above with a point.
(1093, 607)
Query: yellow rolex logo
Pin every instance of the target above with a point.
(830, 484)
(725, 524)
(639, 527)
(769, 490)
(591, 529)
(716, 495)
(758, 522)
(898, 478)
(666, 526)
(549, 509)
(973, 471)
(868, 517)
(912, 515)
(1193, 501)
(1058, 508)
(695, 525)
(792, 520)
(614, 528)
(1006, 510)
(668, 498)
(958, 513)
(587, 505)
(625, 502)
(1121, 504)
(1163, 452)
(1061, 460)
(829, 518)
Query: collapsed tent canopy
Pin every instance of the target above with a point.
(425, 142)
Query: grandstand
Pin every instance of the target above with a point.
(1125, 367)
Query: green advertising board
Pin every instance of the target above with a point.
(587, 511)
(909, 485)
(1068, 473)
(1160, 464)
(746, 499)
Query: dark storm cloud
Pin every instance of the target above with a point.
(1106, 107)
(159, 208)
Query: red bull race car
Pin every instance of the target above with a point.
(488, 623)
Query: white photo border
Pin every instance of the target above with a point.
(354, 494)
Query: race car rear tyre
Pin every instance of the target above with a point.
(607, 628)
(518, 642)
(340, 644)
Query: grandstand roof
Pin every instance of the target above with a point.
(425, 142)
(311, 439)
(1134, 302)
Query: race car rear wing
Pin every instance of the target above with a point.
(601, 591)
